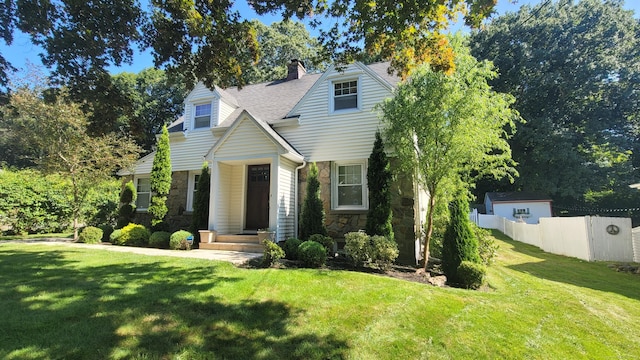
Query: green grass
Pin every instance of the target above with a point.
(60, 302)
(37, 236)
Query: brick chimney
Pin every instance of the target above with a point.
(295, 70)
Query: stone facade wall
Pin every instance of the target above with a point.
(341, 222)
(177, 217)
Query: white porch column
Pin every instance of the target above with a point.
(213, 194)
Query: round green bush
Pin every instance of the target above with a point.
(160, 239)
(471, 275)
(357, 247)
(134, 235)
(291, 248)
(178, 240)
(272, 253)
(384, 251)
(326, 241)
(90, 235)
(114, 237)
(312, 254)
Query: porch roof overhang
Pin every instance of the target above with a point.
(284, 148)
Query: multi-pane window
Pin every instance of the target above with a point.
(143, 188)
(192, 188)
(202, 117)
(345, 95)
(349, 186)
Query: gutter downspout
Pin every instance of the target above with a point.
(295, 196)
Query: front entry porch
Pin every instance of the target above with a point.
(244, 243)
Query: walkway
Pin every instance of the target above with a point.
(235, 257)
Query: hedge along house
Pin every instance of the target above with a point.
(258, 142)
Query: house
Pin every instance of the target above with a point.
(259, 142)
(520, 206)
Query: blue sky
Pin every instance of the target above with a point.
(22, 51)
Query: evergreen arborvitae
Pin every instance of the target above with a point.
(459, 243)
(200, 216)
(379, 179)
(160, 179)
(127, 210)
(312, 219)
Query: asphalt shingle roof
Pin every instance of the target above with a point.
(518, 196)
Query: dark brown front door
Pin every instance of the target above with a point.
(257, 214)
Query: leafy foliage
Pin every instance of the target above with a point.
(133, 235)
(471, 274)
(450, 129)
(574, 68)
(356, 247)
(376, 250)
(59, 131)
(487, 247)
(384, 251)
(114, 237)
(290, 248)
(460, 243)
(90, 235)
(200, 216)
(326, 241)
(272, 253)
(160, 179)
(127, 211)
(312, 218)
(379, 179)
(160, 239)
(178, 240)
(312, 254)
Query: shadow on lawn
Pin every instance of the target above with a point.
(568, 270)
(54, 307)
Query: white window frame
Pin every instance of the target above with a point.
(332, 95)
(334, 185)
(191, 188)
(138, 194)
(193, 115)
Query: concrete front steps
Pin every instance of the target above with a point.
(244, 243)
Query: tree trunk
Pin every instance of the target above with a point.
(427, 237)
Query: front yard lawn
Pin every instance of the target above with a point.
(60, 302)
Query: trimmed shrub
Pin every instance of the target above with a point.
(160, 239)
(114, 238)
(379, 179)
(127, 211)
(326, 241)
(290, 248)
(107, 230)
(90, 235)
(471, 275)
(487, 247)
(178, 240)
(161, 226)
(384, 251)
(357, 247)
(272, 253)
(312, 218)
(459, 243)
(134, 235)
(312, 254)
(200, 216)
(160, 179)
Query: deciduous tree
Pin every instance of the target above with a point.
(447, 129)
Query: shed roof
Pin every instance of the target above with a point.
(517, 196)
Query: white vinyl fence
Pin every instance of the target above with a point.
(589, 238)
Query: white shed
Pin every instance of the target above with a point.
(520, 206)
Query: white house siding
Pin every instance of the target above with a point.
(224, 111)
(537, 210)
(223, 199)
(246, 141)
(286, 199)
(325, 136)
(186, 153)
(199, 95)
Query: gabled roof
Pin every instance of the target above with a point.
(286, 149)
(524, 196)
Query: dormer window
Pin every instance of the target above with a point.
(202, 117)
(345, 95)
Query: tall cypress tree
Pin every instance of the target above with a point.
(200, 216)
(160, 180)
(459, 243)
(312, 219)
(379, 179)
